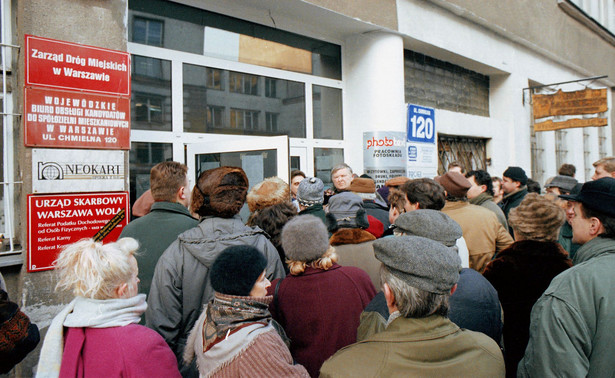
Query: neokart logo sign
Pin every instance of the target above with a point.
(71, 171)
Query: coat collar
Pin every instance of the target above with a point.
(416, 329)
(534, 248)
(350, 236)
(173, 207)
(594, 248)
(521, 192)
(479, 199)
(310, 271)
(454, 205)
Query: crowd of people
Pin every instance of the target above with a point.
(461, 275)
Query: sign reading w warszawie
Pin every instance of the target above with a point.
(587, 101)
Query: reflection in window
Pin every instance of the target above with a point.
(147, 31)
(215, 116)
(244, 119)
(327, 110)
(324, 160)
(214, 79)
(199, 31)
(223, 111)
(143, 156)
(243, 83)
(151, 94)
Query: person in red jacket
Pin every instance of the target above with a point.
(320, 302)
(97, 335)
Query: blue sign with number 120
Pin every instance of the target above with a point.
(421, 124)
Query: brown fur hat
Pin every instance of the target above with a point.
(537, 218)
(220, 192)
(270, 191)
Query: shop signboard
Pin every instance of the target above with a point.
(74, 171)
(60, 219)
(65, 65)
(384, 155)
(422, 149)
(55, 118)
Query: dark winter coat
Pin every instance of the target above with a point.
(520, 274)
(181, 285)
(319, 310)
(155, 232)
(18, 336)
(377, 211)
(315, 210)
(510, 201)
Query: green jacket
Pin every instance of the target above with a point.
(155, 232)
(573, 323)
(432, 346)
(485, 200)
(315, 210)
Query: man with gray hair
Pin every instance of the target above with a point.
(418, 276)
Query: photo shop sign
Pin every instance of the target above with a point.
(60, 219)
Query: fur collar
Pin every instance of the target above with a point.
(350, 236)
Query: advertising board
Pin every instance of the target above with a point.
(57, 220)
(384, 155)
(422, 150)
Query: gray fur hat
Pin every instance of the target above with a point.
(420, 262)
(305, 238)
(310, 191)
(430, 224)
(346, 210)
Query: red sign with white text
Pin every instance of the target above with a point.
(76, 119)
(66, 65)
(57, 220)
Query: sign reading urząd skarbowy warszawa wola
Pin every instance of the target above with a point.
(76, 96)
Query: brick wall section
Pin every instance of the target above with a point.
(441, 85)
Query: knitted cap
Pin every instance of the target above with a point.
(430, 224)
(516, 174)
(310, 191)
(566, 183)
(305, 238)
(537, 218)
(236, 269)
(346, 210)
(420, 262)
(220, 192)
(362, 185)
(268, 192)
(455, 184)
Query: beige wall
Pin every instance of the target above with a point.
(380, 12)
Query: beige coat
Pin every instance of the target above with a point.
(353, 247)
(484, 235)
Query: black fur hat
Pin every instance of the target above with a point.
(236, 270)
(346, 211)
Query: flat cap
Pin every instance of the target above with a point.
(563, 182)
(430, 224)
(420, 262)
(454, 183)
(362, 185)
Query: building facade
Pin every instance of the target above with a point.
(278, 85)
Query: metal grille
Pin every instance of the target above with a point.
(470, 152)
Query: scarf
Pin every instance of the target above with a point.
(479, 199)
(227, 314)
(86, 312)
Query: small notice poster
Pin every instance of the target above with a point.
(76, 119)
(57, 220)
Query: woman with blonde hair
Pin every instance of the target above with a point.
(97, 333)
(523, 271)
(320, 302)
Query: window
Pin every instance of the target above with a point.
(147, 31)
(471, 152)
(441, 85)
(214, 79)
(143, 156)
(243, 83)
(151, 94)
(270, 87)
(215, 116)
(324, 160)
(327, 110)
(271, 120)
(211, 34)
(244, 119)
(148, 108)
